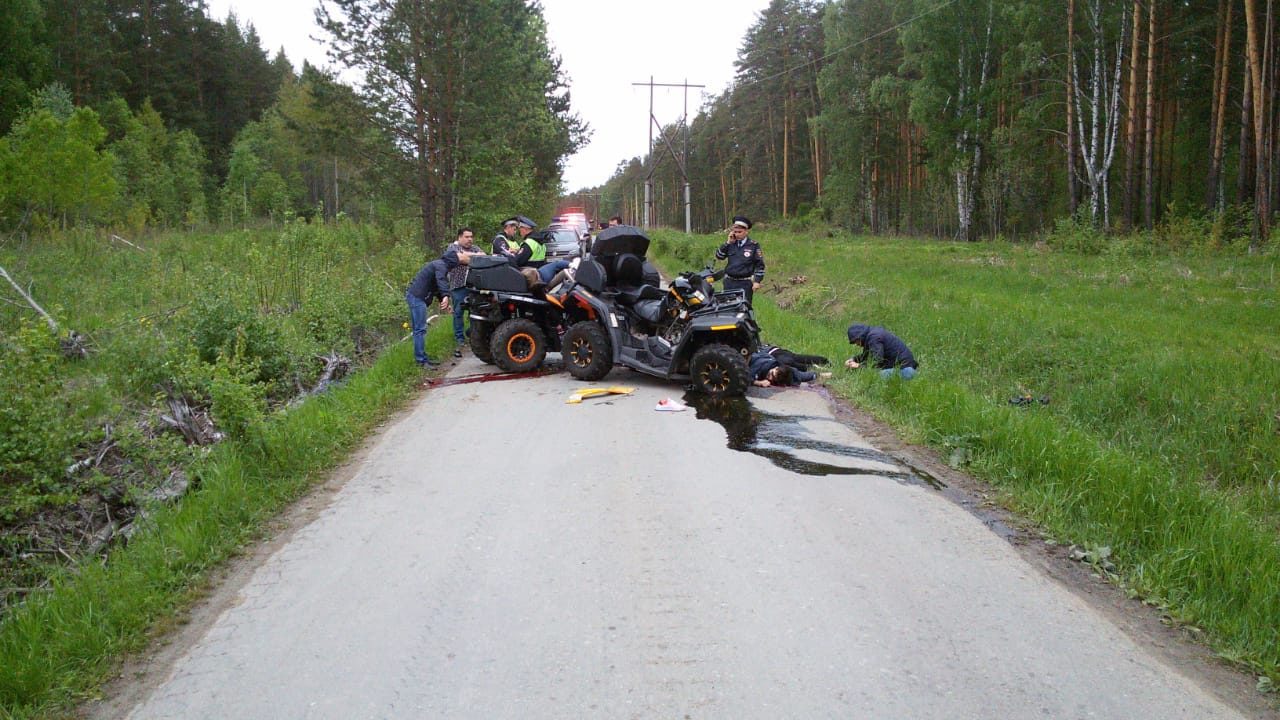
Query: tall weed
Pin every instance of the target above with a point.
(35, 438)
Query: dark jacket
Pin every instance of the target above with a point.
(745, 260)
(430, 282)
(769, 357)
(882, 347)
(760, 363)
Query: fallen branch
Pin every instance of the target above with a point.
(92, 461)
(102, 538)
(375, 274)
(115, 238)
(335, 366)
(53, 324)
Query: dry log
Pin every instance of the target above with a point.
(117, 238)
(335, 366)
(53, 324)
(195, 426)
(102, 538)
(74, 345)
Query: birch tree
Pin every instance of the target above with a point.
(954, 50)
(1097, 109)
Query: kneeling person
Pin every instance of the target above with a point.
(884, 349)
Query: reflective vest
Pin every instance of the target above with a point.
(539, 250)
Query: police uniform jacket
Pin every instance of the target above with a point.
(503, 245)
(746, 262)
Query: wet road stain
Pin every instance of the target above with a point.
(779, 437)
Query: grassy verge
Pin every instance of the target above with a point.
(1161, 437)
(222, 330)
(59, 645)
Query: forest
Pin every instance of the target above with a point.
(947, 118)
(137, 114)
(976, 119)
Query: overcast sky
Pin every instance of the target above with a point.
(605, 46)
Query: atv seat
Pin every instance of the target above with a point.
(493, 272)
(646, 301)
(636, 295)
(591, 275)
(651, 310)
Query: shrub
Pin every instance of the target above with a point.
(236, 400)
(1076, 235)
(220, 326)
(1184, 231)
(1231, 227)
(35, 440)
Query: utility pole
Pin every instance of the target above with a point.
(595, 208)
(681, 160)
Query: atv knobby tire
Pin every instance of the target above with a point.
(480, 334)
(718, 370)
(518, 345)
(586, 351)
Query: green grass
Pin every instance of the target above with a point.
(58, 645)
(288, 294)
(1161, 439)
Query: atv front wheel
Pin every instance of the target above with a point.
(481, 334)
(518, 345)
(586, 351)
(718, 369)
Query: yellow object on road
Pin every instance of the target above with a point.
(579, 395)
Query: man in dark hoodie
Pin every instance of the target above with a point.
(883, 348)
(430, 283)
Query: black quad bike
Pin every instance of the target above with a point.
(513, 326)
(616, 314)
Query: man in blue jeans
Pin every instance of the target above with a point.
(457, 257)
(430, 283)
(883, 348)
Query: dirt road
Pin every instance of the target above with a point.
(501, 554)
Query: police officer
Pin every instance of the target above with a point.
(745, 267)
(533, 252)
(505, 243)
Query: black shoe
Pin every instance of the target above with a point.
(429, 363)
(457, 353)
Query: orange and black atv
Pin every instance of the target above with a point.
(512, 326)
